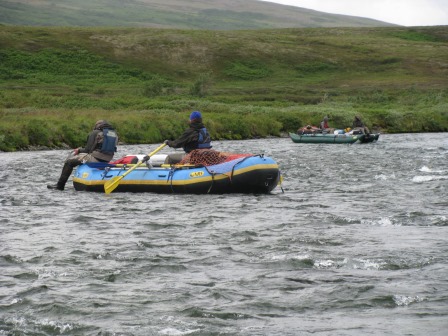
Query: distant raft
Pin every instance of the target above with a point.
(237, 174)
(332, 138)
(325, 138)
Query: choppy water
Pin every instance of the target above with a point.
(356, 245)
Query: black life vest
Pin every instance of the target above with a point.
(204, 140)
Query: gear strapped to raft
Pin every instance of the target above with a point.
(209, 157)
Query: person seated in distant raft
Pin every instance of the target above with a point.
(325, 127)
(358, 125)
(194, 137)
(100, 147)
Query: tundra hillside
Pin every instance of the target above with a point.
(177, 14)
(55, 82)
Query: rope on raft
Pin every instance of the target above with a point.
(209, 157)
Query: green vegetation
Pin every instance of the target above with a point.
(55, 83)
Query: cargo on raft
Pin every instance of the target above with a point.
(235, 173)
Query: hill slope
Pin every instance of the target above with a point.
(184, 14)
(254, 62)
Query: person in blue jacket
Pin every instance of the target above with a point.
(101, 146)
(194, 137)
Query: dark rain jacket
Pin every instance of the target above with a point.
(357, 123)
(95, 142)
(189, 139)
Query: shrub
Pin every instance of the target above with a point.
(246, 70)
(38, 133)
(201, 86)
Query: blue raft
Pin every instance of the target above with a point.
(251, 174)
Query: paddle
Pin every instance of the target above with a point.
(111, 184)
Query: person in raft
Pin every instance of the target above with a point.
(359, 125)
(324, 125)
(100, 147)
(194, 137)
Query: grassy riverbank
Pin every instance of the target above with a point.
(56, 82)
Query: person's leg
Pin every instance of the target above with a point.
(67, 170)
(174, 158)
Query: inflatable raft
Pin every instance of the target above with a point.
(325, 138)
(248, 174)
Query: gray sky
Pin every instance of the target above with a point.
(402, 12)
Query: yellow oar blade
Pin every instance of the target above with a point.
(111, 184)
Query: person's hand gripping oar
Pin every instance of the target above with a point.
(113, 183)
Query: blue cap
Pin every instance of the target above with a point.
(195, 115)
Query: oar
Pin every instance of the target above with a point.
(111, 184)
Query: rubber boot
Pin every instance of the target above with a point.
(66, 172)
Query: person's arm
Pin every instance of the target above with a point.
(90, 144)
(182, 140)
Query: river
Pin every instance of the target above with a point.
(354, 242)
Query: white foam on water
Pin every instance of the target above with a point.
(385, 177)
(426, 169)
(324, 263)
(61, 327)
(363, 264)
(17, 300)
(383, 221)
(175, 332)
(288, 257)
(18, 321)
(420, 179)
(403, 300)
(438, 219)
(45, 274)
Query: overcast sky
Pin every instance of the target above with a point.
(402, 12)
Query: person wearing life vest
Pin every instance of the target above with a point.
(194, 137)
(101, 146)
(325, 127)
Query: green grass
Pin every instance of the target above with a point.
(248, 83)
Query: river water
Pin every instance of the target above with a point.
(355, 242)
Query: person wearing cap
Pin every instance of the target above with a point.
(101, 146)
(194, 137)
